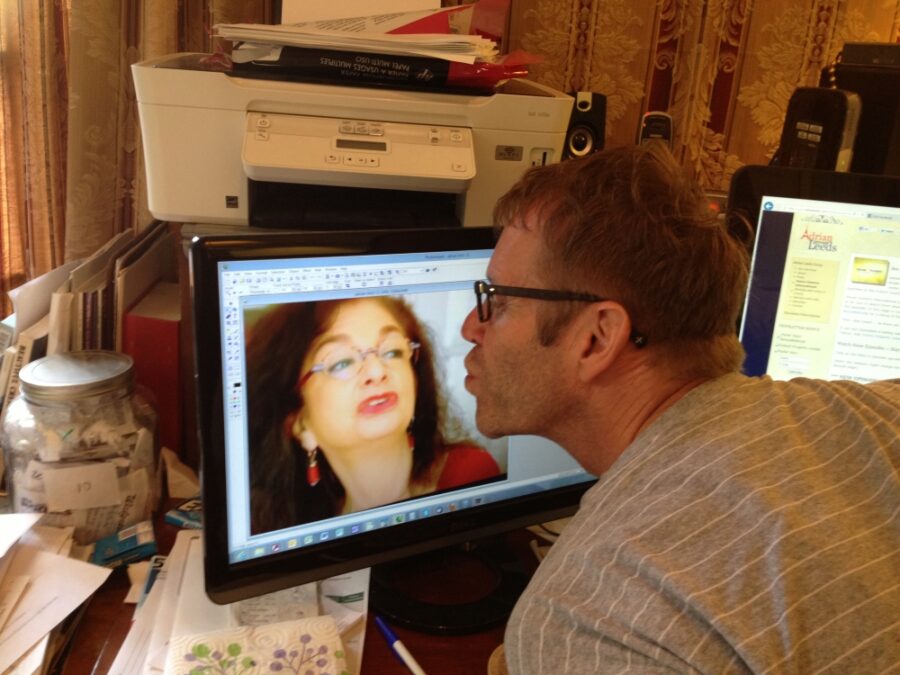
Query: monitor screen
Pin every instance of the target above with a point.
(823, 299)
(290, 329)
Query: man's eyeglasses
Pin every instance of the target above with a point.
(485, 290)
(345, 361)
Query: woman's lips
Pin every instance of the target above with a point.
(375, 405)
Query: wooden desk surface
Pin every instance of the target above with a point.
(107, 620)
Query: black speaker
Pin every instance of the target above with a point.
(587, 125)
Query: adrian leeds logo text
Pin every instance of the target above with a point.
(819, 242)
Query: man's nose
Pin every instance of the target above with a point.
(472, 328)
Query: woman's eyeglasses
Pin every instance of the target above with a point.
(345, 361)
(485, 290)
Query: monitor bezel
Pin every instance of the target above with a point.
(231, 581)
(750, 183)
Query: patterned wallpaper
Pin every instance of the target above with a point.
(724, 69)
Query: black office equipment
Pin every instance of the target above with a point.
(656, 125)
(819, 129)
(872, 70)
(587, 125)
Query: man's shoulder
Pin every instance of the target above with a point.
(735, 394)
(878, 395)
(889, 388)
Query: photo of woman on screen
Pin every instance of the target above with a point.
(345, 412)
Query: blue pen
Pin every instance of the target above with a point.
(398, 647)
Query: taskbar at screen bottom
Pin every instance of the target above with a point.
(397, 514)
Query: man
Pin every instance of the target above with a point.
(738, 524)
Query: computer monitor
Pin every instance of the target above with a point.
(271, 287)
(823, 299)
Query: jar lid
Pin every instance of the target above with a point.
(59, 377)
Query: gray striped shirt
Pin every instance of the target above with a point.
(753, 527)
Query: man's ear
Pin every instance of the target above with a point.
(602, 336)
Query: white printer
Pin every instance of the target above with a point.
(273, 153)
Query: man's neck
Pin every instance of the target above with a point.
(617, 410)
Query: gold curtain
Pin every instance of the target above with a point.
(71, 168)
(33, 137)
(724, 69)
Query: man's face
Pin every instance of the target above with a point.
(515, 381)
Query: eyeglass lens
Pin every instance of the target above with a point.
(345, 361)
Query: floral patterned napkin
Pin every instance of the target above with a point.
(310, 646)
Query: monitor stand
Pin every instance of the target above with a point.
(451, 591)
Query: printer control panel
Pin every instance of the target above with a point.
(357, 153)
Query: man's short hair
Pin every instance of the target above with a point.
(628, 223)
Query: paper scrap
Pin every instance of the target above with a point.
(13, 526)
(58, 586)
(32, 661)
(137, 576)
(133, 652)
(181, 480)
(31, 300)
(288, 604)
(195, 612)
(293, 11)
(11, 590)
(82, 487)
(345, 598)
(50, 539)
(174, 569)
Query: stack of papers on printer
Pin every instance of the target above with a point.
(462, 48)
(399, 34)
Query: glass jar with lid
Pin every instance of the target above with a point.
(80, 444)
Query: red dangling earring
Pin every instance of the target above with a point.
(312, 467)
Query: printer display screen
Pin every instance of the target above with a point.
(351, 144)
